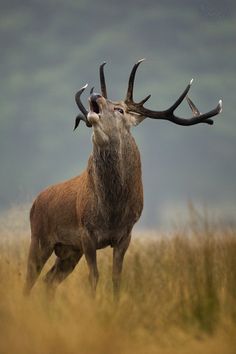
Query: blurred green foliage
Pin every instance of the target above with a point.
(49, 49)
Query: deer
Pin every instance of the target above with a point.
(99, 207)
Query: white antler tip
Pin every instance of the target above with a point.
(191, 81)
(140, 61)
(85, 86)
(221, 105)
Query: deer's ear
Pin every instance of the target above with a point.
(135, 119)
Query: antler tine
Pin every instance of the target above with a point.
(129, 95)
(78, 100)
(77, 120)
(82, 108)
(141, 103)
(194, 109)
(181, 98)
(102, 80)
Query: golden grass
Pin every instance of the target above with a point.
(178, 296)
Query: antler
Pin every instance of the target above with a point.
(82, 108)
(102, 80)
(168, 114)
(80, 104)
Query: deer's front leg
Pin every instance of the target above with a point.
(89, 249)
(118, 257)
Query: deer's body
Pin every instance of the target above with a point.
(100, 207)
(106, 198)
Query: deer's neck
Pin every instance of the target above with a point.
(116, 173)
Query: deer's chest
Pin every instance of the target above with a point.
(116, 212)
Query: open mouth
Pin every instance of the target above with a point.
(93, 103)
(94, 113)
(94, 106)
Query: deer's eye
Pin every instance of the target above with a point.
(119, 110)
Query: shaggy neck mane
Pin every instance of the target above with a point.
(115, 170)
(109, 172)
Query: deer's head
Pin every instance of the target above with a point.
(111, 119)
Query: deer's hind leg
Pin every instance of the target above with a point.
(38, 256)
(67, 259)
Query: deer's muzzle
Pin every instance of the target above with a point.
(93, 114)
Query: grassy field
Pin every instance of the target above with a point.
(178, 296)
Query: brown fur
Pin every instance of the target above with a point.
(99, 207)
(91, 211)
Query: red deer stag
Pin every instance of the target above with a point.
(99, 207)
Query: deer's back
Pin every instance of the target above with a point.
(54, 210)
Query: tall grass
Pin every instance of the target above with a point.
(178, 296)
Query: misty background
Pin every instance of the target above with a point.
(50, 49)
